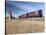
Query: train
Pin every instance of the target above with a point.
(37, 13)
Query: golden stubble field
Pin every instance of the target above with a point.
(30, 25)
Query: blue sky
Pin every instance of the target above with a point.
(19, 8)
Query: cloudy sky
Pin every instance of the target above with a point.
(17, 8)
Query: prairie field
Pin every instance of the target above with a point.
(29, 25)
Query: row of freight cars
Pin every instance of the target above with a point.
(37, 13)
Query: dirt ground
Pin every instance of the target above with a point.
(30, 25)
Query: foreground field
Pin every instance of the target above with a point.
(30, 25)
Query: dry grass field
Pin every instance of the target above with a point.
(30, 25)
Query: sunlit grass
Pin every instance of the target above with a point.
(25, 25)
